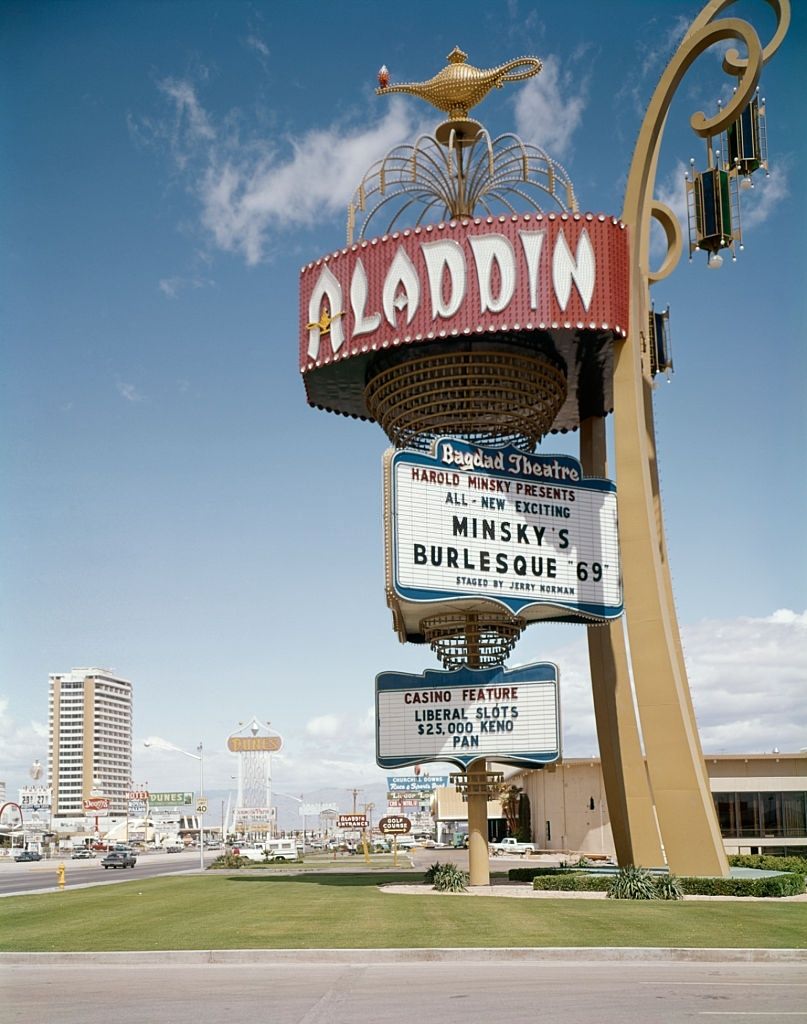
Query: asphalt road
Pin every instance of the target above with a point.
(22, 878)
(465, 992)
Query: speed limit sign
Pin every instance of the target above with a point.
(201, 806)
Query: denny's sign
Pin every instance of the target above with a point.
(559, 274)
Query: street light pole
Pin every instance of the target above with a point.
(201, 813)
(165, 745)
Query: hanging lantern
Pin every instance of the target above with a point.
(713, 212)
(746, 142)
(659, 342)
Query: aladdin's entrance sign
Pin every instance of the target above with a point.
(513, 315)
(500, 525)
(508, 715)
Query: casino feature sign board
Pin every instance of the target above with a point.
(510, 716)
(482, 527)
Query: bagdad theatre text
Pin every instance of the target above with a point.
(459, 716)
(504, 524)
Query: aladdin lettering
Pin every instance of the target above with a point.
(440, 278)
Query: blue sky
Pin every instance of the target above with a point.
(173, 509)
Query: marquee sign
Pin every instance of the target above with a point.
(97, 805)
(242, 744)
(254, 814)
(415, 783)
(394, 825)
(170, 799)
(313, 810)
(507, 715)
(498, 526)
(563, 275)
(351, 821)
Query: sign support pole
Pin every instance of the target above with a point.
(478, 856)
(630, 802)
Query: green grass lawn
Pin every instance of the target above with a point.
(244, 910)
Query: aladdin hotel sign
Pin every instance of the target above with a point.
(555, 273)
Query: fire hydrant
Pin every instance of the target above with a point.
(60, 876)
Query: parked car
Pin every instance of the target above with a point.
(512, 845)
(82, 853)
(119, 859)
(27, 855)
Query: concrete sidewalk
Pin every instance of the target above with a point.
(484, 954)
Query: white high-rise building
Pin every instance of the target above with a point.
(90, 750)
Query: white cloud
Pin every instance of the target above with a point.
(747, 678)
(191, 124)
(249, 189)
(759, 202)
(748, 682)
(21, 743)
(325, 726)
(337, 726)
(549, 108)
(246, 193)
(665, 42)
(254, 42)
(172, 286)
(128, 391)
(671, 191)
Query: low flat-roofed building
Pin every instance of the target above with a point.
(761, 803)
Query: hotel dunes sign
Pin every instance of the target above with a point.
(242, 744)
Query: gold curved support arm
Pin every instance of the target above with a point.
(641, 177)
(730, 28)
(675, 765)
(664, 216)
(733, 64)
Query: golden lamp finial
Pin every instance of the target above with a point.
(460, 86)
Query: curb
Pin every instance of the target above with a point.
(189, 957)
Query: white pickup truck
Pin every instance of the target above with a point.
(512, 845)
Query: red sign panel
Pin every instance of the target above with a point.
(97, 804)
(563, 274)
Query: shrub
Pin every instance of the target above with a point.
(664, 886)
(571, 882)
(428, 878)
(227, 861)
(450, 878)
(527, 874)
(766, 862)
(775, 885)
(524, 831)
(632, 883)
(668, 888)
